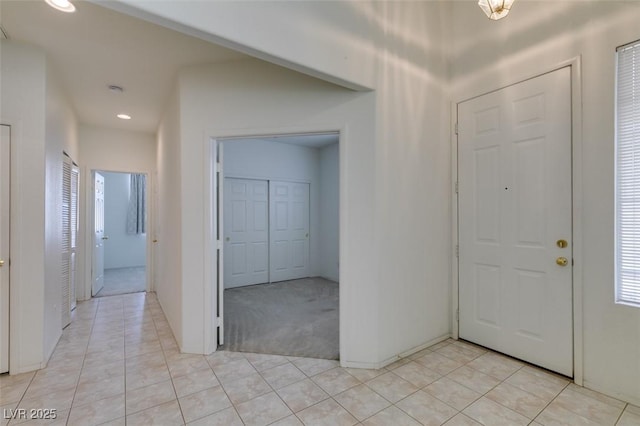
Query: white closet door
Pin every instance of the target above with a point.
(4, 246)
(246, 223)
(289, 224)
(75, 181)
(515, 221)
(65, 307)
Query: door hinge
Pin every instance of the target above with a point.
(456, 128)
(219, 244)
(456, 187)
(457, 250)
(218, 167)
(219, 322)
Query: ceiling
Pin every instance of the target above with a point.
(96, 47)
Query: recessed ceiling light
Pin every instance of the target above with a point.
(124, 116)
(62, 5)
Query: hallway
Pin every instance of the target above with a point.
(118, 363)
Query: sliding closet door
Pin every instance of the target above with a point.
(289, 225)
(246, 232)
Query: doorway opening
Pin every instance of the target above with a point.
(119, 258)
(278, 205)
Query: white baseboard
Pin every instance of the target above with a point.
(391, 360)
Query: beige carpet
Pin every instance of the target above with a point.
(294, 318)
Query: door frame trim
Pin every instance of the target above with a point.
(574, 65)
(10, 314)
(211, 139)
(89, 217)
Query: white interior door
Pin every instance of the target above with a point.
(515, 254)
(246, 230)
(5, 174)
(289, 230)
(98, 234)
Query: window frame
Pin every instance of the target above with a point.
(622, 147)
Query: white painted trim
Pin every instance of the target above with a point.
(574, 65)
(577, 181)
(613, 392)
(89, 177)
(15, 227)
(211, 138)
(454, 222)
(210, 298)
(258, 177)
(391, 360)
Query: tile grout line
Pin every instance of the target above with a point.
(84, 359)
(535, 419)
(164, 356)
(624, 409)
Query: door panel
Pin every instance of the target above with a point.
(5, 176)
(98, 234)
(246, 232)
(514, 199)
(289, 230)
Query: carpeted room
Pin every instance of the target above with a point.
(281, 232)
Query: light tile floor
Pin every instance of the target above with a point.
(118, 363)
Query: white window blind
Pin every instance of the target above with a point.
(628, 174)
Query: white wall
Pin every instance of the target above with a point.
(412, 181)
(121, 250)
(395, 261)
(167, 260)
(116, 150)
(336, 41)
(23, 82)
(264, 159)
(252, 96)
(330, 212)
(43, 125)
(533, 39)
(61, 134)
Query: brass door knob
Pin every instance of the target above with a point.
(562, 261)
(1, 263)
(562, 243)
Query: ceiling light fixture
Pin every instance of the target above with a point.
(124, 116)
(62, 5)
(495, 9)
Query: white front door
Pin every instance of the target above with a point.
(246, 230)
(289, 225)
(5, 174)
(515, 235)
(98, 234)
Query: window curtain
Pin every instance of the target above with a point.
(137, 205)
